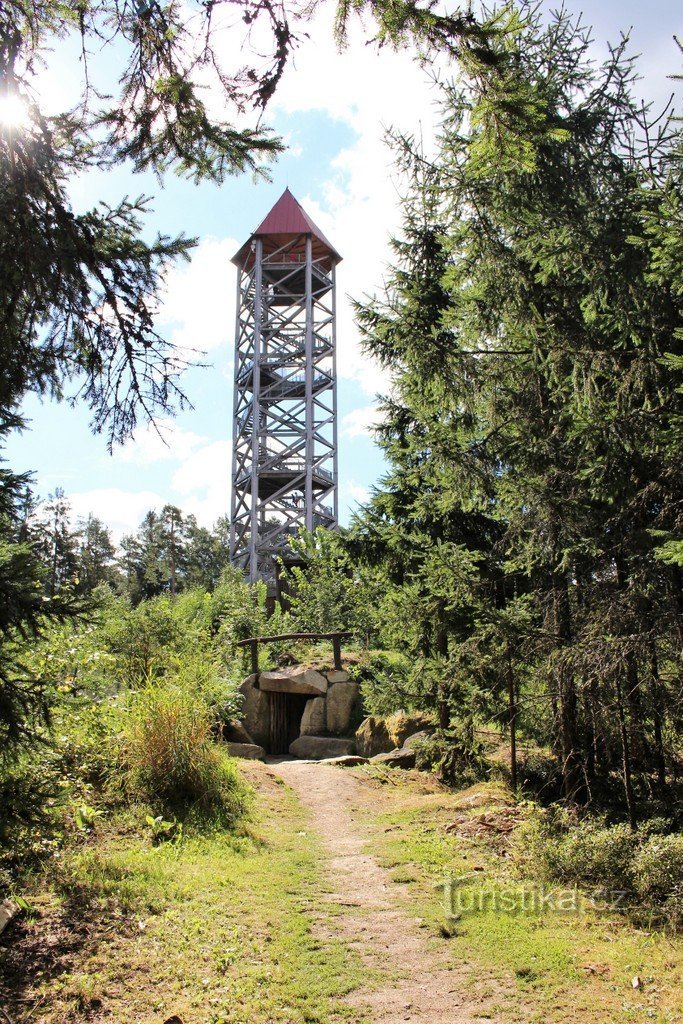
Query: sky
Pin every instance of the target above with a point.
(332, 109)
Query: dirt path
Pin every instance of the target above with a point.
(414, 983)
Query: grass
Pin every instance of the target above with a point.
(564, 966)
(240, 928)
(215, 929)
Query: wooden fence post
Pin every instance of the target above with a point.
(336, 648)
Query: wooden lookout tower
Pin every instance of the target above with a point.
(284, 468)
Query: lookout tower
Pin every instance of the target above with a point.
(284, 463)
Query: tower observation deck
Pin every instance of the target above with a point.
(284, 463)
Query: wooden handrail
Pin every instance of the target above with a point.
(336, 639)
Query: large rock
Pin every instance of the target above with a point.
(313, 720)
(234, 732)
(372, 737)
(293, 679)
(399, 758)
(341, 700)
(417, 738)
(316, 748)
(401, 725)
(248, 750)
(256, 711)
(337, 675)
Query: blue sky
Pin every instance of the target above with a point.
(332, 109)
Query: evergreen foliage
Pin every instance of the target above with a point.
(532, 427)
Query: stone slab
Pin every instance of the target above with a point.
(8, 911)
(417, 738)
(403, 724)
(317, 748)
(341, 700)
(294, 679)
(313, 720)
(256, 711)
(252, 751)
(337, 675)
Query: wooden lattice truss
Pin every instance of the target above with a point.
(284, 471)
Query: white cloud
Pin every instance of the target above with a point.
(203, 480)
(357, 492)
(160, 441)
(122, 511)
(203, 467)
(199, 302)
(369, 92)
(201, 484)
(361, 422)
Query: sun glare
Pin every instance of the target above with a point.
(13, 111)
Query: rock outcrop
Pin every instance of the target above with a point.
(234, 732)
(372, 737)
(402, 725)
(402, 757)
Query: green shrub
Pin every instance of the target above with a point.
(385, 683)
(170, 756)
(457, 757)
(658, 873)
(646, 864)
(586, 854)
(541, 774)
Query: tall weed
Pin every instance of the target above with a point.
(169, 755)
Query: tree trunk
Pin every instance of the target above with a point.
(442, 696)
(657, 714)
(172, 566)
(573, 780)
(626, 759)
(512, 718)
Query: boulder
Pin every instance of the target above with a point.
(399, 758)
(249, 750)
(401, 725)
(337, 675)
(8, 911)
(293, 679)
(256, 711)
(317, 748)
(418, 737)
(341, 699)
(372, 737)
(234, 732)
(313, 719)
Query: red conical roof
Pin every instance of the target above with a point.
(287, 220)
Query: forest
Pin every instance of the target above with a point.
(516, 576)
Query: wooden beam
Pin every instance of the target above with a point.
(341, 635)
(336, 648)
